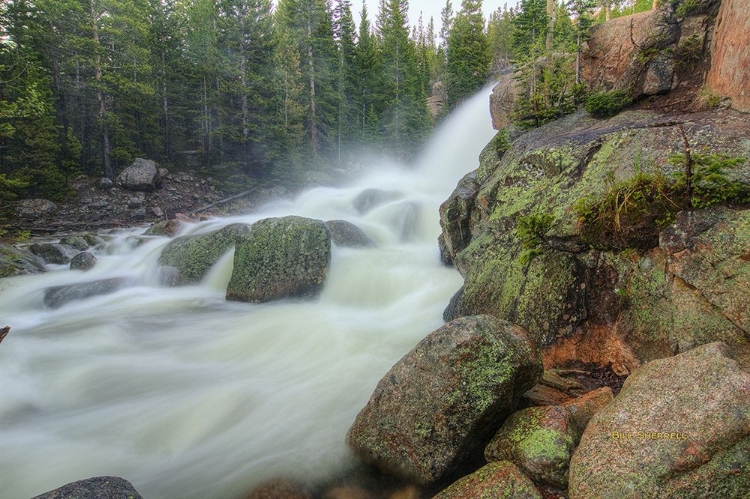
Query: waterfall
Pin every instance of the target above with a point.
(187, 395)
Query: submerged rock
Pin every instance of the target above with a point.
(103, 487)
(168, 228)
(432, 414)
(193, 256)
(57, 296)
(371, 198)
(540, 440)
(347, 235)
(284, 257)
(83, 261)
(498, 480)
(14, 261)
(680, 428)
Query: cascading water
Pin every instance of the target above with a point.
(187, 395)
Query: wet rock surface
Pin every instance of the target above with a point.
(104, 487)
(432, 414)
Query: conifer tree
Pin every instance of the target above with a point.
(468, 53)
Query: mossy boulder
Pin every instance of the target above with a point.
(193, 256)
(102, 487)
(680, 428)
(14, 261)
(498, 480)
(168, 228)
(286, 257)
(83, 261)
(569, 286)
(433, 413)
(540, 440)
(77, 242)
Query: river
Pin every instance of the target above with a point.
(189, 396)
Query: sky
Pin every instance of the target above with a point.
(429, 8)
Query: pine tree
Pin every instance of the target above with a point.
(369, 85)
(468, 53)
(346, 81)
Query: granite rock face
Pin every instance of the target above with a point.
(103, 487)
(730, 58)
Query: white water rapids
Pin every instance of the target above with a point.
(187, 395)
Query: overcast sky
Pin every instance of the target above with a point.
(429, 8)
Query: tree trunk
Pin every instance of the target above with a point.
(313, 110)
(550, 25)
(100, 97)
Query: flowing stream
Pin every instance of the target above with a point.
(187, 395)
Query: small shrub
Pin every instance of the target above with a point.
(500, 142)
(706, 100)
(689, 52)
(606, 104)
(709, 184)
(531, 230)
(629, 215)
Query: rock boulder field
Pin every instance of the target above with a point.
(432, 414)
(680, 428)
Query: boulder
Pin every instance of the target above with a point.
(142, 175)
(53, 252)
(14, 261)
(106, 183)
(103, 487)
(433, 413)
(583, 408)
(193, 256)
(680, 428)
(730, 56)
(540, 440)
(93, 239)
(35, 208)
(83, 261)
(347, 235)
(57, 296)
(498, 480)
(659, 75)
(76, 242)
(284, 257)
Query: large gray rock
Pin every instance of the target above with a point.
(347, 235)
(53, 252)
(433, 413)
(57, 296)
(455, 214)
(280, 258)
(14, 261)
(103, 487)
(35, 208)
(77, 242)
(193, 256)
(680, 428)
(142, 175)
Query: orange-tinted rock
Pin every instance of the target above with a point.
(730, 58)
(499, 480)
(503, 100)
(680, 428)
(583, 408)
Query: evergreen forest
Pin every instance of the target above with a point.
(251, 91)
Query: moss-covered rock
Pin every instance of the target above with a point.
(280, 258)
(77, 242)
(53, 252)
(193, 256)
(168, 228)
(680, 428)
(661, 297)
(432, 414)
(540, 440)
(14, 261)
(498, 480)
